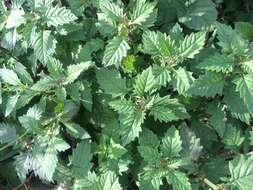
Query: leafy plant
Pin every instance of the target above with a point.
(126, 94)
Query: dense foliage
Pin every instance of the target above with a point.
(126, 94)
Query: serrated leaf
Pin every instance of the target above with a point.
(44, 46)
(209, 84)
(217, 63)
(171, 143)
(10, 77)
(197, 14)
(166, 109)
(10, 39)
(44, 84)
(241, 170)
(15, 19)
(131, 126)
(148, 138)
(232, 137)
(149, 154)
(111, 82)
(144, 82)
(245, 29)
(44, 164)
(248, 66)
(217, 119)
(229, 40)
(144, 13)
(76, 131)
(236, 105)
(11, 104)
(191, 147)
(73, 71)
(178, 180)
(111, 10)
(182, 80)
(22, 72)
(105, 181)
(122, 106)
(244, 85)
(158, 45)
(162, 75)
(81, 159)
(7, 133)
(56, 16)
(115, 51)
(191, 45)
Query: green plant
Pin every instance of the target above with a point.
(127, 94)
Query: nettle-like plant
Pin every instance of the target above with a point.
(126, 94)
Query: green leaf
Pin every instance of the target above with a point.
(7, 133)
(76, 131)
(15, 19)
(171, 143)
(111, 82)
(162, 75)
(158, 45)
(229, 40)
(149, 154)
(56, 16)
(122, 106)
(217, 63)
(115, 150)
(182, 80)
(81, 159)
(197, 14)
(209, 84)
(191, 45)
(22, 72)
(245, 29)
(131, 126)
(232, 137)
(178, 180)
(90, 47)
(109, 180)
(44, 164)
(241, 170)
(244, 85)
(166, 109)
(10, 39)
(236, 105)
(115, 51)
(217, 120)
(144, 13)
(105, 181)
(73, 71)
(144, 82)
(148, 138)
(9, 77)
(191, 147)
(111, 10)
(11, 104)
(44, 84)
(247, 66)
(44, 46)
(31, 120)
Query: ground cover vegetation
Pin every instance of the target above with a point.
(126, 94)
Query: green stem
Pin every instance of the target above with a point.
(11, 143)
(210, 184)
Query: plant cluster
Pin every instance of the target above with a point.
(127, 94)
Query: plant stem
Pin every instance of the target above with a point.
(210, 184)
